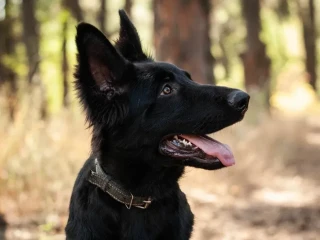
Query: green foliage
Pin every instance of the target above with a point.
(281, 31)
(228, 34)
(52, 15)
(282, 39)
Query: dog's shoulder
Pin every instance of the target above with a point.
(89, 204)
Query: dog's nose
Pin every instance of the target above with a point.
(239, 100)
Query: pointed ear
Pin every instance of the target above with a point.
(101, 76)
(98, 58)
(129, 43)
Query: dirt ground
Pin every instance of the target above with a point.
(273, 192)
(281, 202)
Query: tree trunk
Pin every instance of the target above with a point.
(102, 16)
(74, 7)
(307, 15)
(65, 64)
(181, 36)
(255, 60)
(7, 44)
(128, 7)
(3, 226)
(31, 40)
(224, 58)
(7, 48)
(282, 9)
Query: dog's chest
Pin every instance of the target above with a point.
(171, 219)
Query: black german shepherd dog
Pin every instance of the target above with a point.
(149, 120)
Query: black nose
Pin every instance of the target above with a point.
(239, 100)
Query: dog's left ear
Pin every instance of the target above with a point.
(129, 43)
(100, 76)
(105, 65)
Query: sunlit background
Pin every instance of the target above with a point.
(269, 48)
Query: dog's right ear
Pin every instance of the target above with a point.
(129, 43)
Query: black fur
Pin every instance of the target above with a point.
(121, 90)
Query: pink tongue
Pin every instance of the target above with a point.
(213, 148)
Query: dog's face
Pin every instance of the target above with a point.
(148, 110)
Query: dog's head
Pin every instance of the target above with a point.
(148, 110)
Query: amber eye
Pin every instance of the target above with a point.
(166, 90)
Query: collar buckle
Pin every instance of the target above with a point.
(146, 204)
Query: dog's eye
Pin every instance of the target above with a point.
(166, 90)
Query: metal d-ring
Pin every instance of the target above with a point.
(129, 207)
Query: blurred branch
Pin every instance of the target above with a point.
(7, 49)
(65, 63)
(7, 43)
(102, 16)
(34, 69)
(128, 7)
(283, 9)
(31, 38)
(307, 16)
(74, 7)
(255, 60)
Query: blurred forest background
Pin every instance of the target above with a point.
(270, 48)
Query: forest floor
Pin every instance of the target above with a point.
(276, 203)
(273, 191)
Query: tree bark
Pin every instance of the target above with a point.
(307, 15)
(7, 48)
(181, 36)
(65, 63)
(31, 40)
(102, 16)
(282, 9)
(74, 7)
(128, 7)
(255, 60)
(3, 226)
(7, 44)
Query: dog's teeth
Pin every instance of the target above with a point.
(186, 142)
(182, 142)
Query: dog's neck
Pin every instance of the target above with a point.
(132, 172)
(140, 178)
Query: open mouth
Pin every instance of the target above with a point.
(198, 151)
